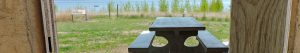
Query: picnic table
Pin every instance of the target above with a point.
(176, 30)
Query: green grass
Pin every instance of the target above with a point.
(103, 34)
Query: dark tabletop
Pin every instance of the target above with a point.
(176, 24)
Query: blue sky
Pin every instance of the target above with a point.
(96, 5)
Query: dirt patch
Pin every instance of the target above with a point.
(68, 32)
(131, 32)
(120, 49)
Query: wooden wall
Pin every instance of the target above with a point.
(295, 33)
(294, 29)
(49, 25)
(23, 28)
(258, 26)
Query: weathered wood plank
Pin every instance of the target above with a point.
(49, 26)
(258, 26)
(296, 47)
(293, 26)
(21, 27)
(297, 38)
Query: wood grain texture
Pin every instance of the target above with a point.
(296, 47)
(297, 38)
(21, 27)
(258, 26)
(293, 26)
(49, 26)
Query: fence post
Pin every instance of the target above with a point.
(86, 17)
(109, 12)
(117, 10)
(72, 17)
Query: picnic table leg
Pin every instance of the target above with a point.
(176, 41)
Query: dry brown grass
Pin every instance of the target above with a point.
(64, 16)
(67, 16)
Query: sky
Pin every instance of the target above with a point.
(101, 5)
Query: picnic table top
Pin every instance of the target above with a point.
(176, 24)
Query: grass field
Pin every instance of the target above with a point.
(113, 35)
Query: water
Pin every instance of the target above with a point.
(101, 5)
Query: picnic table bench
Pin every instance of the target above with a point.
(176, 30)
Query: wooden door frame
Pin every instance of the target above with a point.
(294, 34)
(50, 30)
(293, 26)
(49, 26)
(27, 26)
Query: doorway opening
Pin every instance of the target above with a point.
(109, 26)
